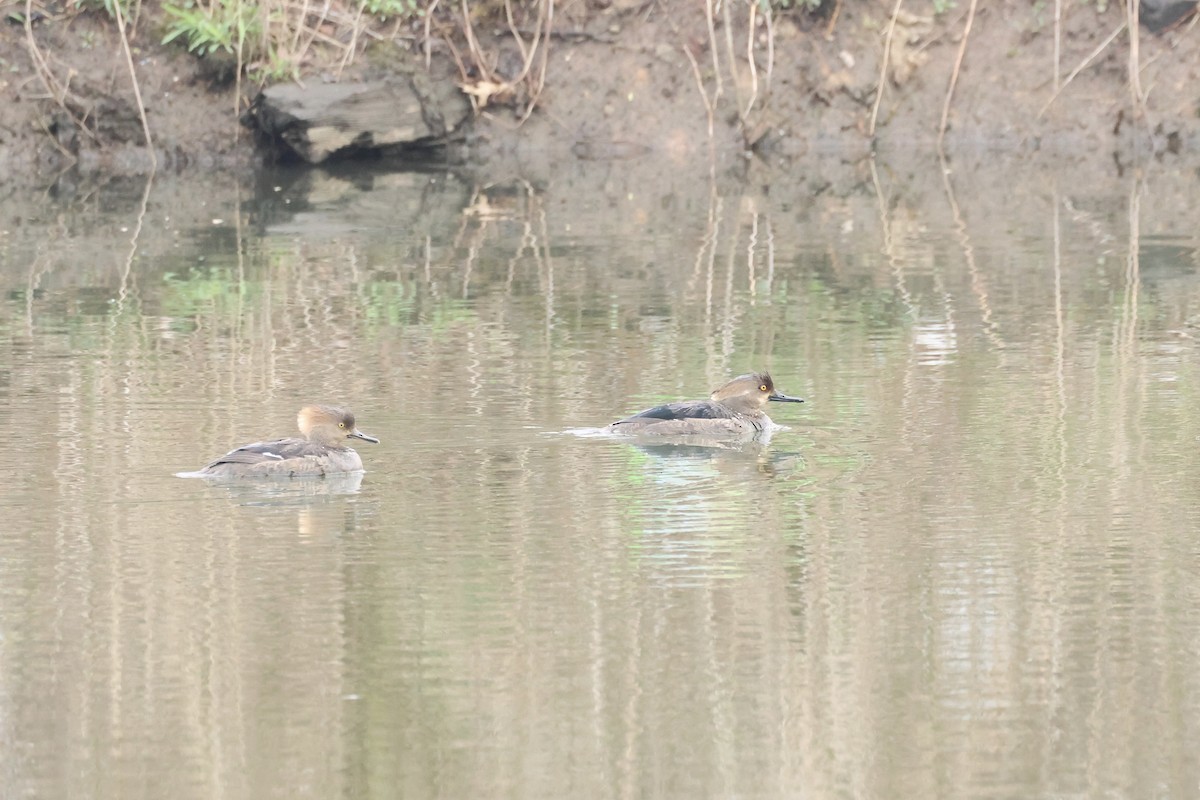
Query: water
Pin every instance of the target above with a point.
(965, 569)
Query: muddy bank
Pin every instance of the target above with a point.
(653, 82)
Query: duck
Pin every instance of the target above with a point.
(734, 409)
(322, 450)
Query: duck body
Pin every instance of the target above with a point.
(323, 450)
(735, 409)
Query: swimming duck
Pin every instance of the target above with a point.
(734, 409)
(322, 451)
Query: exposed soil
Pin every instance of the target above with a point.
(619, 85)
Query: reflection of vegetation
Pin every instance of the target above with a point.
(200, 289)
(959, 511)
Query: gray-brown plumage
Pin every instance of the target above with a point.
(322, 451)
(735, 409)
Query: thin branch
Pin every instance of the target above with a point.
(1135, 80)
(1082, 66)
(962, 52)
(473, 45)
(883, 67)
(541, 84)
(708, 106)
(313, 31)
(527, 55)
(833, 18)
(237, 76)
(733, 72)
(352, 48)
(299, 27)
(54, 141)
(137, 91)
(1057, 42)
(428, 17)
(768, 15)
(750, 59)
(712, 46)
(512, 28)
(58, 92)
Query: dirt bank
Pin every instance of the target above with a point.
(626, 79)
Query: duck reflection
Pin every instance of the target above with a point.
(289, 491)
(690, 454)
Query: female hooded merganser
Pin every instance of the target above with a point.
(322, 451)
(734, 409)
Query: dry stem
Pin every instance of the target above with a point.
(708, 106)
(833, 18)
(429, 16)
(1057, 41)
(352, 48)
(1135, 80)
(133, 78)
(733, 72)
(1082, 66)
(712, 47)
(750, 59)
(548, 8)
(962, 51)
(769, 15)
(473, 44)
(883, 67)
(58, 92)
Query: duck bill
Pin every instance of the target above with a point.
(783, 398)
(357, 434)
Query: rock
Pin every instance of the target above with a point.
(1158, 15)
(339, 120)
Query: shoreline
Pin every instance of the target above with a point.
(630, 84)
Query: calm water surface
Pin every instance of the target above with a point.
(968, 567)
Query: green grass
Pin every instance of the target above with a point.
(225, 25)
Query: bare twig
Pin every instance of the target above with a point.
(768, 14)
(1135, 79)
(708, 106)
(473, 44)
(54, 141)
(237, 76)
(512, 28)
(458, 61)
(428, 17)
(545, 17)
(712, 46)
(1082, 66)
(541, 83)
(58, 92)
(883, 67)
(352, 48)
(299, 27)
(962, 52)
(137, 91)
(750, 59)
(833, 18)
(733, 71)
(314, 30)
(1057, 41)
